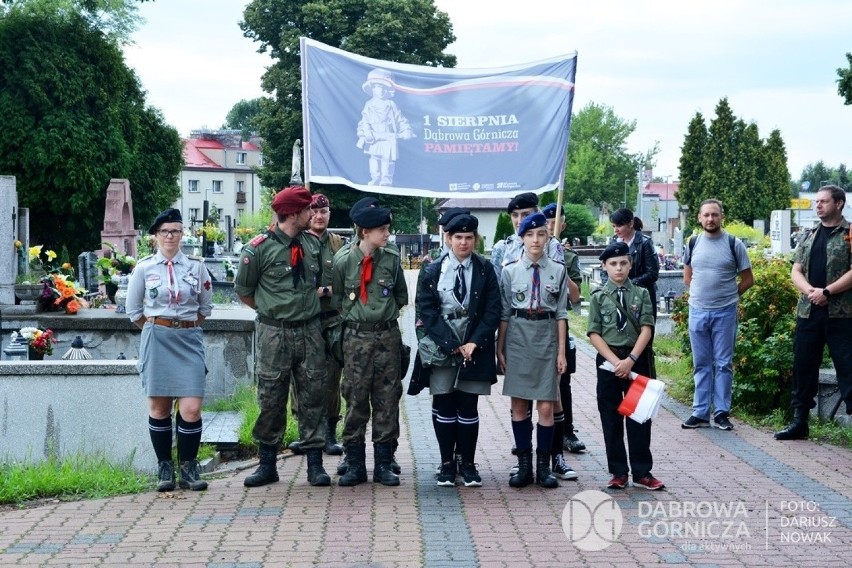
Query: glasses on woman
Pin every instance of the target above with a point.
(169, 234)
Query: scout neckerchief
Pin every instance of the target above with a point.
(297, 253)
(535, 295)
(366, 276)
(460, 287)
(174, 290)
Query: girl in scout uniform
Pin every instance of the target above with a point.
(458, 301)
(169, 295)
(621, 322)
(531, 346)
(369, 286)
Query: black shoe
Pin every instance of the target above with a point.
(524, 476)
(190, 476)
(543, 475)
(316, 473)
(723, 422)
(695, 422)
(561, 469)
(470, 476)
(166, 476)
(382, 471)
(356, 468)
(447, 475)
(332, 448)
(296, 447)
(797, 430)
(572, 444)
(267, 471)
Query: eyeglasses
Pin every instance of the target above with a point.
(165, 234)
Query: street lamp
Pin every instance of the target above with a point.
(624, 203)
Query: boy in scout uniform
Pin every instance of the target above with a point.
(278, 277)
(621, 322)
(531, 347)
(329, 243)
(369, 286)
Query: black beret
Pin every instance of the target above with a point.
(167, 216)
(523, 201)
(368, 201)
(462, 223)
(533, 221)
(450, 213)
(615, 249)
(371, 217)
(550, 211)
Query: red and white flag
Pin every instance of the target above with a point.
(642, 401)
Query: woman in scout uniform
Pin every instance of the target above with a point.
(458, 301)
(621, 323)
(369, 286)
(168, 296)
(531, 346)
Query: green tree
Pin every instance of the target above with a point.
(75, 117)
(117, 19)
(692, 166)
(844, 83)
(579, 222)
(818, 174)
(598, 160)
(243, 116)
(407, 31)
(504, 227)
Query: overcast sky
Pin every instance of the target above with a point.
(655, 62)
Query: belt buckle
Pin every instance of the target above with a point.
(175, 323)
(377, 326)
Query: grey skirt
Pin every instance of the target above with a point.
(531, 360)
(171, 361)
(444, 380)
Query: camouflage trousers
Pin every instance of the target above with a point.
(372, 378)
(332, 395)
(282, 354)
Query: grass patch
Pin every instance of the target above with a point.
(71, 478)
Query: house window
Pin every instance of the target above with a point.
(241, 158)
(217, 186)
(193, 186)
(240, 186)
(194, 215)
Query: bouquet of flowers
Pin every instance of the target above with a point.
(61, 293)
(230, 269)
(115, 265)
(39, 341)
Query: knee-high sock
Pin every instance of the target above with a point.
(522, 430)
(188, 439)
(559, 431)
(160, 430)
(468, 426)
(544, 437)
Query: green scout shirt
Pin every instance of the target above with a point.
(265, 272)
(572, 265)
(603, 313)
(838, 263)
(328, 245)
(386, 292)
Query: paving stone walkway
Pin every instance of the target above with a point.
(734, 498)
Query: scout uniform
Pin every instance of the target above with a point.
(370, 291)
(281, 274)
(535, 298)
(620, 329)
(171, 294)
(512, 247)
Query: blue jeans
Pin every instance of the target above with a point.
(712, 334)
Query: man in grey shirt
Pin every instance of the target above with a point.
(712, 262)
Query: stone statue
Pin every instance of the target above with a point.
(296, 177)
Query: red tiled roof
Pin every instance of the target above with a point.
(207, 143)
(193, 157)
(250, 146)
(666, 191)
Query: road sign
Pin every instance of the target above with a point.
(800, 203)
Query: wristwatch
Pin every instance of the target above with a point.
(633, 357)
(826, 292)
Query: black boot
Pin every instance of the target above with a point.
(798, 428)
(166, 476)
(524, 476)
(190, 476)
(267, 471)
(382, 472)
(342, 466)
(296, 447)
(543, 475)
(393, 465)
(316, 473)
(332, 448)
(356, 467)
(570, 441)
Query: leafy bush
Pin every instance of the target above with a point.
(504, 228)
(763, 356)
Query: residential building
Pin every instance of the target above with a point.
(221, 168)
(486, 210)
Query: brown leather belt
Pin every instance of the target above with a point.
(528, 315)
(166, 322)
(377, 326)
(286, 323)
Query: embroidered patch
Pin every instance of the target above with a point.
(246, 260)
(207, 285)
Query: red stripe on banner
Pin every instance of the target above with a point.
(634, 393)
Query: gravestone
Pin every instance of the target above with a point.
(8, 234)
(87, 271)
(119, 228)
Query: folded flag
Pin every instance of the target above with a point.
(642, 401)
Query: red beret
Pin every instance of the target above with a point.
(319, 201)
(291, 200)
